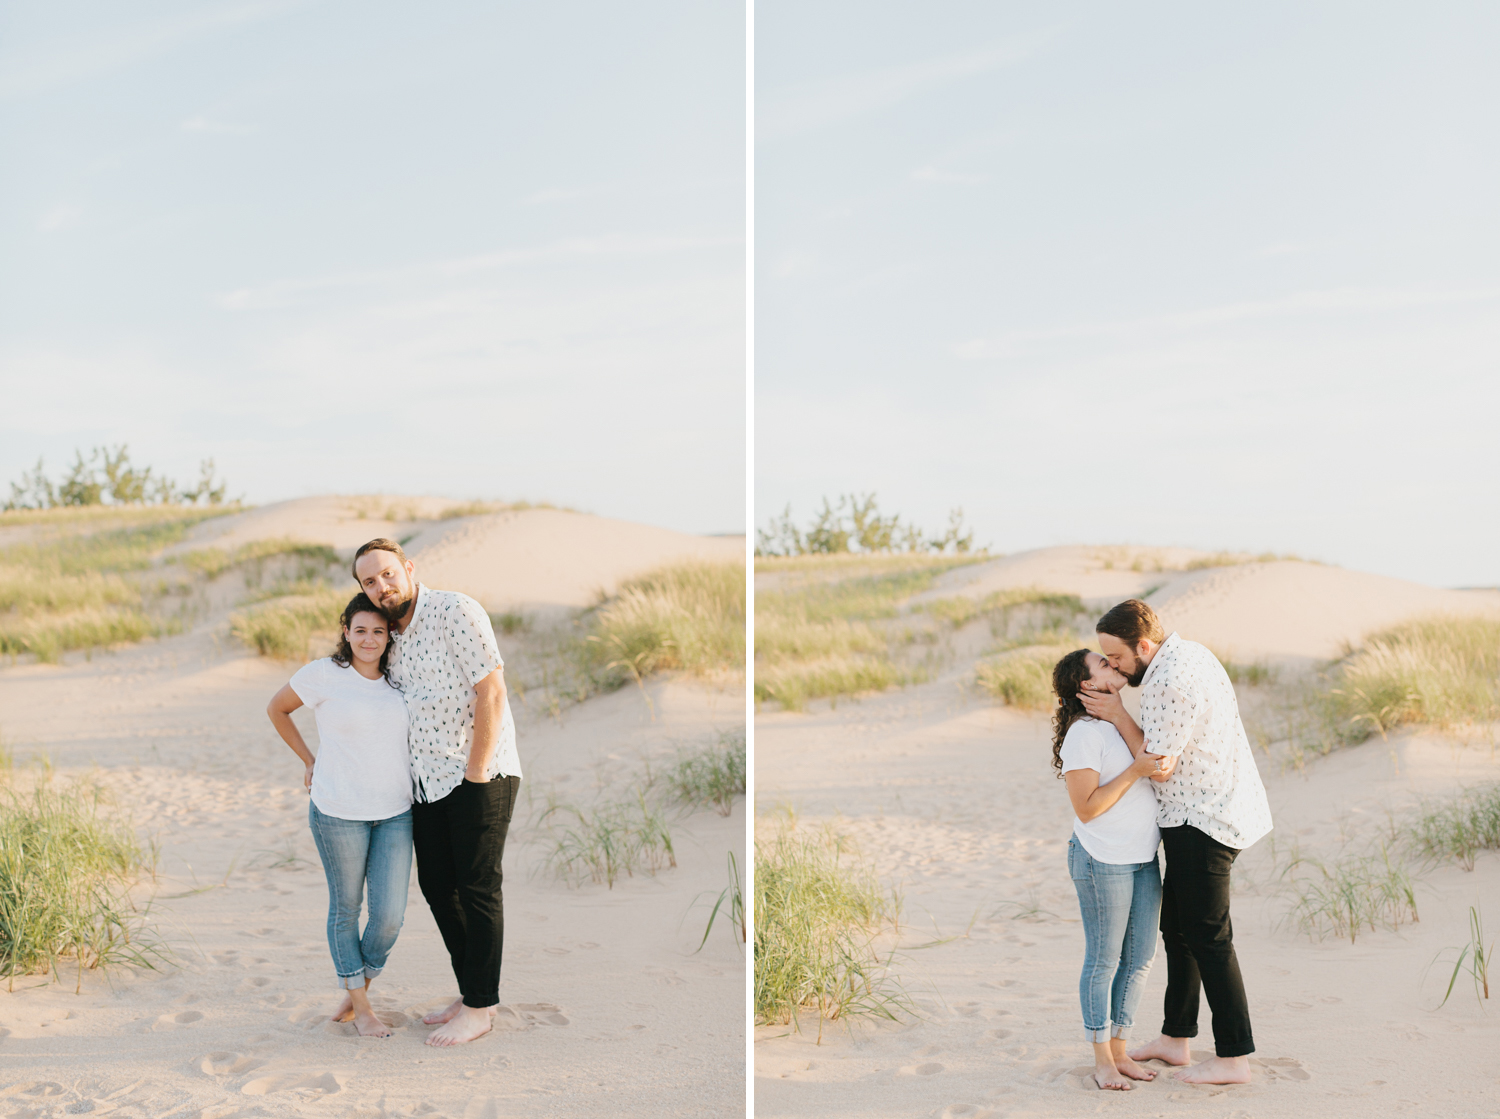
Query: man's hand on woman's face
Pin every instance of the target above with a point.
(1105, 704)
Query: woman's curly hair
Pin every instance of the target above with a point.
(343, 656)
(1067, 681)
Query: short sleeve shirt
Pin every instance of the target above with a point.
(1189, 711)
(447, 648)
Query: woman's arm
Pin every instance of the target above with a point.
(1110, 708)
(1091, 799)
(280, 709)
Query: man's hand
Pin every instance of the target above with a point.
(1106, 705)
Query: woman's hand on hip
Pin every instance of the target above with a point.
(307, 776)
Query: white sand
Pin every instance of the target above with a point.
(606, 1008)
(953, 798)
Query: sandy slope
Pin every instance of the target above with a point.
(1288, 611)
(953, 798)
(606, 1005)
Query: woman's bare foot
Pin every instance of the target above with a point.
(467, 1024)
(1172, 1050)
(1109, 1079)
(364, 1016)
(344, 1012)
(1133, 1070)
(1217, 1070)
(438, 1017)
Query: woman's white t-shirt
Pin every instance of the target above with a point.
(363, 771)
(1127, 831)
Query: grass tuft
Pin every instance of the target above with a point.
(688, 616)
(607, 840)
(1460, 827)
(65, 872)
(1349, 894)
(1023, 679)
(286, 628)
(817, 914)
(711, 776)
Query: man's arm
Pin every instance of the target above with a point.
(1109, 707)
(489, 709)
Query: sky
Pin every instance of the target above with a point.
(1221, 276)
(483, 250)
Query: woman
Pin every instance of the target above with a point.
(360, 810)
(1112, 861)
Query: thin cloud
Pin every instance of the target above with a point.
(202, 123)
(936, 175)
(61, 216)
(1336, 301)
(124, 49)
(281, 292)
(807, 106)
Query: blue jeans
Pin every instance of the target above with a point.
(1120, 903)
(356, 854)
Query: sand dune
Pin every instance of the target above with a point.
(951, 797)
(606, 1006)
(1287, 611)
(538, 560)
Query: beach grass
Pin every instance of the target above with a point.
(817, 913)
(688, 616)
(712, 775)
(606, 840)
(1442, 671)
(1459, 827)
(1344, 896)
(731, 900)
(1022, 679)
(65, 874)
(213, 562)
(825, 626)
(286, 627)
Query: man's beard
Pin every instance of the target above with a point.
(1134, 679)
(394, 611)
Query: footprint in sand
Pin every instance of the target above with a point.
(228, 1064)
(181, 1018)
(542, 1013)
(555, 951)
(307, 1084)
(964, 1111)
(1300, 1005)
(1278, 1067)
(998, 1035)
(927, 1068)
(666, 977)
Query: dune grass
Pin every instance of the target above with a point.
(611, 838)
(1023, 679)
(1442, 671)
(688, 616)
(1459, 827)
(213, 562)
(1253, 673)
(1475, 957)
(825, 625)
(1349, 894)
(65, 873)
(286, 627)
(711, 776)
(817, 913)
(1057, 608)
(731, 896)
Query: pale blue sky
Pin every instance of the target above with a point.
(1211, 275)
(477, 249)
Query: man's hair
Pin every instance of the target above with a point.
(379, 544)
(1131, 621)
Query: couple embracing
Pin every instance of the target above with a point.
(417, 754)
(1184, 778)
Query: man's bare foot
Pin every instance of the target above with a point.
(370, 1026)
(1133, 1070)
(438, 1017)
(1217, 1070)
(467, 1024)
(1109, 1079)
(1172, 1050)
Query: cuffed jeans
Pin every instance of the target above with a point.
(1119, 903)
(1199, 939)
(460, 841)
(359, 855)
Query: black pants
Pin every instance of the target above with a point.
(459, 843)
(1199, 939)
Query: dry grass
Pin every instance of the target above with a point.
(1023, 679)
(287, 627)
(688, 616)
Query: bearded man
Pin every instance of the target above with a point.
(465, 772)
